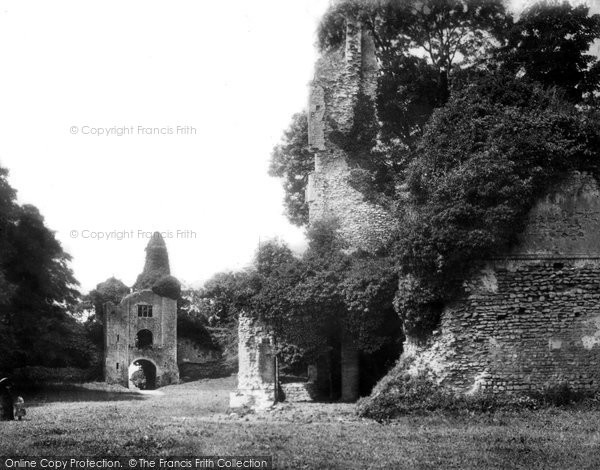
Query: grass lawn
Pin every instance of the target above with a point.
(192, 419)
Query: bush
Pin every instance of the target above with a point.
(404, 394)
(167, 286)
(401, 393)
(559, 395)
(138, 379)
(481, 165)
(192, 327)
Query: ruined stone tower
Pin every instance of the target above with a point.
(141, 332)
(341, 76)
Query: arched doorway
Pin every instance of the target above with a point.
(143, 339)
(142, 374)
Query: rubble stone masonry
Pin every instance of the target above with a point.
(256, 376)
(531, 319)
(340, 75)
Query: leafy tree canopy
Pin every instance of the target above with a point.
(448, 33)
(167, 286)
(227, 294)
(39, 291)
(111, 290)
(550, 44)
(483, 161)
(292, 161)
(309, 300)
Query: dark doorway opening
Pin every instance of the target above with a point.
(143, 339)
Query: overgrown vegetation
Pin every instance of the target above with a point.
(308, 301)
(550, 45)
(477, 116)
(38, 292)
(401, 393)
(292, 161)
(484, 159)
(156, 274)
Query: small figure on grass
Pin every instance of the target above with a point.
(20, 410)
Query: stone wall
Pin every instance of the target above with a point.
(531, 319)
(294, 392)
(121, 327)
(256, 376)
(189, 351)
(339, 77)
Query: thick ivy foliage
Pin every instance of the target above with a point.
(483, 161)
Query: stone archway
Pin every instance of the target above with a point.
(142, 374)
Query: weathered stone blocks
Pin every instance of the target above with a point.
(532, 318)
(256, 377)
(340, 76)
(121, 327)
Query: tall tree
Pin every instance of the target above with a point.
(449, 34)
(35, 315)
(550, 44)
(293, 161)
(453, 33)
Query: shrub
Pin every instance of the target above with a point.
(167, 286)
(482, 163)
(559, 395)
(192, 327)
(401, 393)
(138, 379)
(398, 395)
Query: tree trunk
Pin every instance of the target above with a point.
(444, 91)
(350, 369)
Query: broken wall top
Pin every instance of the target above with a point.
(565, 222)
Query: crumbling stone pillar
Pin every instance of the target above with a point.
(256, 375)
(341, 76)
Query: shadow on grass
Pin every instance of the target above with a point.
(77, 393)
(191, 372)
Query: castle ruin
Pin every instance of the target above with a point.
(531, 319)
(140, 334)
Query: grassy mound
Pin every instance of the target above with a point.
(402, 393)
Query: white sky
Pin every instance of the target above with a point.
(235, 70)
